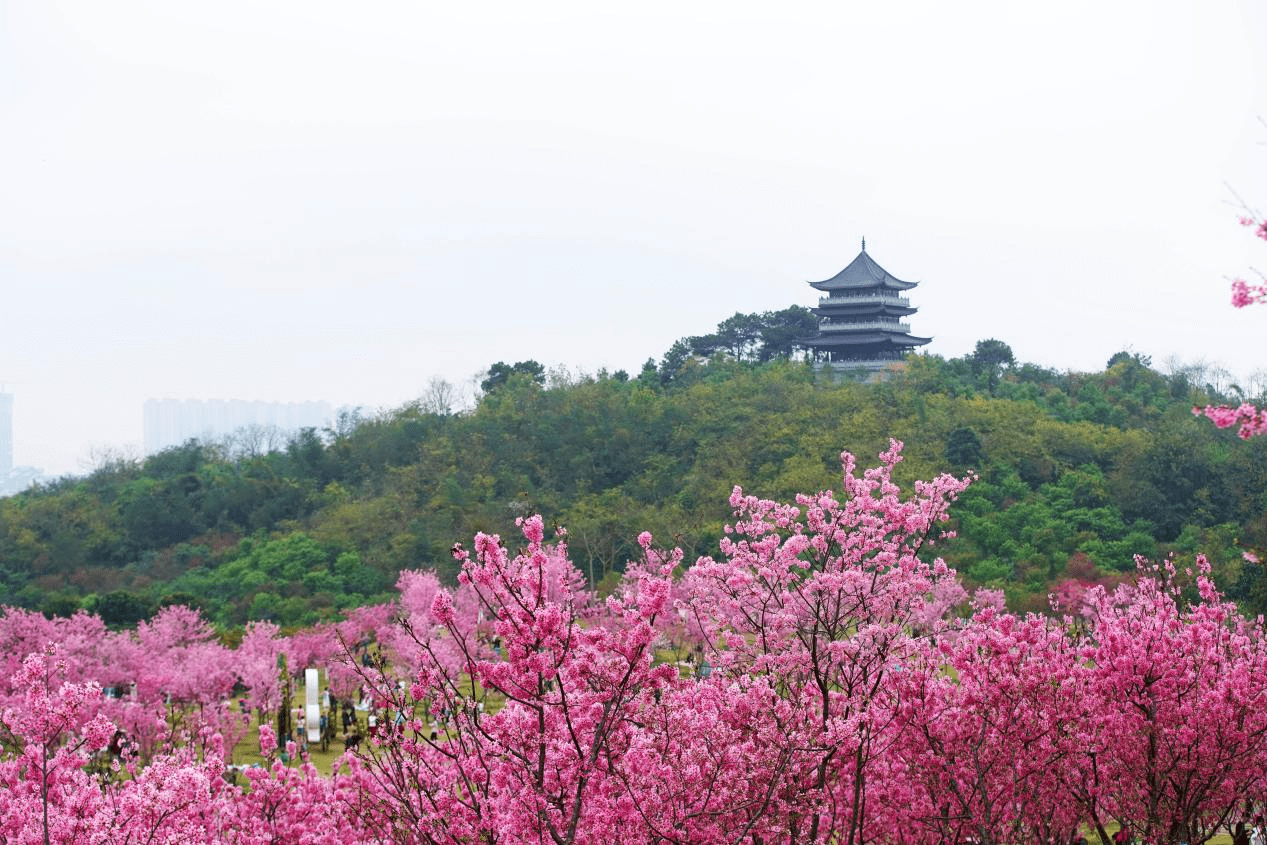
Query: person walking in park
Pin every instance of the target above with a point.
(1257, 833)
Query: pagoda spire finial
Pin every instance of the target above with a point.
(864, 243)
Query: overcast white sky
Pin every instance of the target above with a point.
(340, 200)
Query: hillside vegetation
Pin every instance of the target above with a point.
(1078, 473)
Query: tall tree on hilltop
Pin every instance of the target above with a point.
(500, 373)
(988, 359)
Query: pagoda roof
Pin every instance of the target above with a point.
(892, 340)
(863, 272)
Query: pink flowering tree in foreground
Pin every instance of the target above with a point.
(679, 640)
(53, 789)
(1177, 720)
(49, 796)
(990, 716)
(50, 735)
(813, 608)
(298, 805)
(540, 768)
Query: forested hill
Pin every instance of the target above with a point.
(1078, 472)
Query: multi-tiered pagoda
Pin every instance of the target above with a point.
(860, 325)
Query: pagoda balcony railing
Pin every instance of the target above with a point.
(869, 299)
(871, 326)
(864, 369)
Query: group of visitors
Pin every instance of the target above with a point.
(379, 721)
(1249, 829)
(1252, 832)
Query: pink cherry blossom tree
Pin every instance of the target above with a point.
(678, 637)
(51, 734)
(296, 804)
(815, 604)
(177, 659)
(539, 768)
(1179, 721)
(414, 621)
(255, 663)
(988, 719)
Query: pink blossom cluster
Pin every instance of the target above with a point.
(1252, 420)
(61, 784)
(1259, 226)
(167, 679)
(834, 692)
(1245, 294)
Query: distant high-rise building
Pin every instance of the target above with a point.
(172, 422)
(13, 479)
(6, 434)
